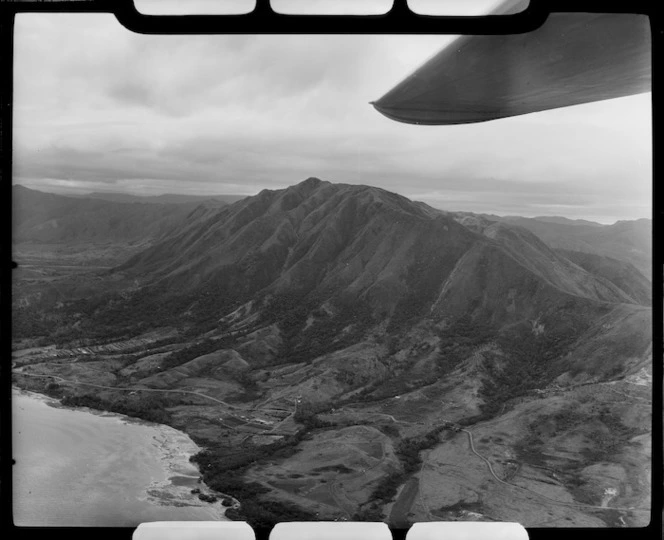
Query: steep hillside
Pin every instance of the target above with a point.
(325, 241)
(535, 255)
(621, 273)
(315, 238)
(629, 241)
(331, 264)
(342, 352)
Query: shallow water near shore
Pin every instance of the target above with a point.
(78, 468)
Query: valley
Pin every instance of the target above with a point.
(341, 352)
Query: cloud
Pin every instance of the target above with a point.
(98, 105)
(131, 92)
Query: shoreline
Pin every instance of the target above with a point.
(173, 450)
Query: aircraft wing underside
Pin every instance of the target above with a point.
(572, 58)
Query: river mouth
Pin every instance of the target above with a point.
(75, 468)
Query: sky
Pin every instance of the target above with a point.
(98, 108)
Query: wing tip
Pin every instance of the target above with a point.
(434, 118)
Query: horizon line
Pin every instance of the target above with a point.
(83, 194)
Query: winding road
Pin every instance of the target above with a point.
(554, 501)
(130, 388)
(139, 389)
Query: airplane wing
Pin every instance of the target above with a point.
(572, 58)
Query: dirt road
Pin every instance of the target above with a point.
(553, 501)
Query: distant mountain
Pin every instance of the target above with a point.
(627, 241)
(50, 218)
(566, 221)
(622, 274)
(166, 198)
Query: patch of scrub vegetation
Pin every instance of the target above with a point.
(223, 470)
(612, 440)
(459, 341)
(340, 468)
(605, 435)
(177, 358)
(343, 325)
(308, 411)
(455, 344)
(151, 408)
(577, 485)
(408, 451)
(529, 449)
(423, 278)
(526, 365)
(389, 429)
(266, 514)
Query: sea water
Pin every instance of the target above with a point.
(81, 468)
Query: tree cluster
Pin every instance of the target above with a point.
(423, 279)
(408, 451)
(223, 471)
(151, 408)
(325, 334)
(526, 365)
(181, 356)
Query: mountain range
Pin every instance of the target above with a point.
(629, 241)
(165, 198)
(40, 217)
(330, 306)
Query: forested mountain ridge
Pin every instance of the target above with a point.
(330, 331)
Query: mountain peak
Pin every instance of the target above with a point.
(312, 180)
(304, 189)
(309, 184)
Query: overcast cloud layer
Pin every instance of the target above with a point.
(97, 108)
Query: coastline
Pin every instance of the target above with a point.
(172, 450)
